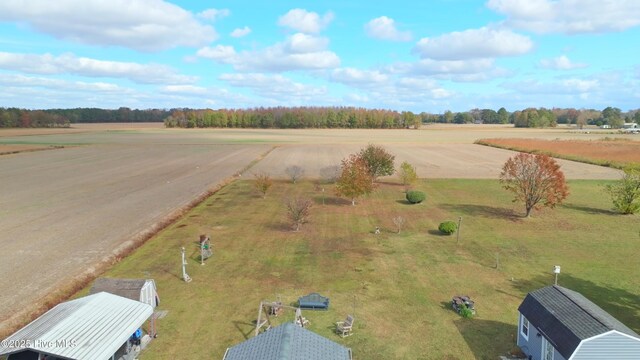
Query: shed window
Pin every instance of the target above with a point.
(524, 327)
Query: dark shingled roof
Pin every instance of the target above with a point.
(288, 342)
(565, 318)
(128, 288)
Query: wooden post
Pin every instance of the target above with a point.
(458, 232)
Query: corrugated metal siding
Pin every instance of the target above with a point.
(96, 324)
(609, 346)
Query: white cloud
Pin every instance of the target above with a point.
(60, 85)
(474, 70)
(145, 25)
(358, 98)
(569, 16)
(71, 64)
(274, 86)
(298, 52)
(561, 86)
(473, 44)
(301, 43)
(214, 14)
(221, 53)
(384, 28)
(185, 89)
(304, 21)
(358, 78)
(417, 83)
(561, 63)
(436, 67)
(241, 32)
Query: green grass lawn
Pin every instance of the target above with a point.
(398, 286)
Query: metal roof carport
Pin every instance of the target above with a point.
(90, 328)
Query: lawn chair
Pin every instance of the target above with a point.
(343, 328)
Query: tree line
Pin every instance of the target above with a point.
(24, 118)
(538, 117)
(315, 117)
(294, 118)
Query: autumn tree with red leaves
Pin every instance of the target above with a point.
(355, 178)
(535, 180)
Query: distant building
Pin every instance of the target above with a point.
(560, 324)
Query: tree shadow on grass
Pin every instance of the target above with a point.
(281, 226)
(487, 339)
(331, 200)
(437, 232)
(492, 212)
(590, 210)
(620, 303)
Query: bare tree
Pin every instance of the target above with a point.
(295, 173)
(298, 210)
(262, 183)
(399, 222)
(330, 174)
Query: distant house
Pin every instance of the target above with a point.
(560, 324)
(135, 289)
(94, 327)
(290, 342)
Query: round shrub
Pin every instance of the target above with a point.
(448, 227)
(415, 197)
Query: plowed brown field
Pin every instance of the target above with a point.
(610, 152)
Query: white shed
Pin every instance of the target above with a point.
(135, 289)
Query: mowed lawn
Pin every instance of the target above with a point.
(398, 286)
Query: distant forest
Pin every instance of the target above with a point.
(350, 117)
(14, 117)
(314, 117)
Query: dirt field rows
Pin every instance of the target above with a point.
(462, 161)
(61, 211)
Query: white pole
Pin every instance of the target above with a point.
(185, 276)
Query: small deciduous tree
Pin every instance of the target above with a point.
(355, 179)
(378, 160)
(263, 183)
(399, 222)
(330, 174)
(298, 210)
(625, 194)
(295, 173)
(535, 180)
(407, 174)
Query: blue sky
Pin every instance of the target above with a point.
(405, 55)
